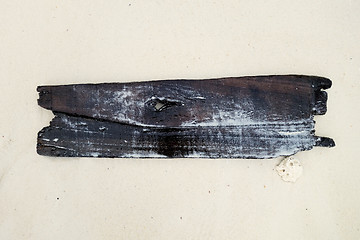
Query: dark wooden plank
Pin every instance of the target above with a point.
(248, 117)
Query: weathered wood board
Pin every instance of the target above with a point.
(240, 117)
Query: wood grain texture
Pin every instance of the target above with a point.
(243, 117)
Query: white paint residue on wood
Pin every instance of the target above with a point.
(145, 155)
(293, 133)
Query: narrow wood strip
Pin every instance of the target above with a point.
(77, 136)
(192, 102)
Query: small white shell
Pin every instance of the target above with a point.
(289, 169)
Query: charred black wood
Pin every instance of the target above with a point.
(244, 117)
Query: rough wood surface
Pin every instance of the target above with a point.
(244, 117)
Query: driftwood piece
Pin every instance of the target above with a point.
(241, 117)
